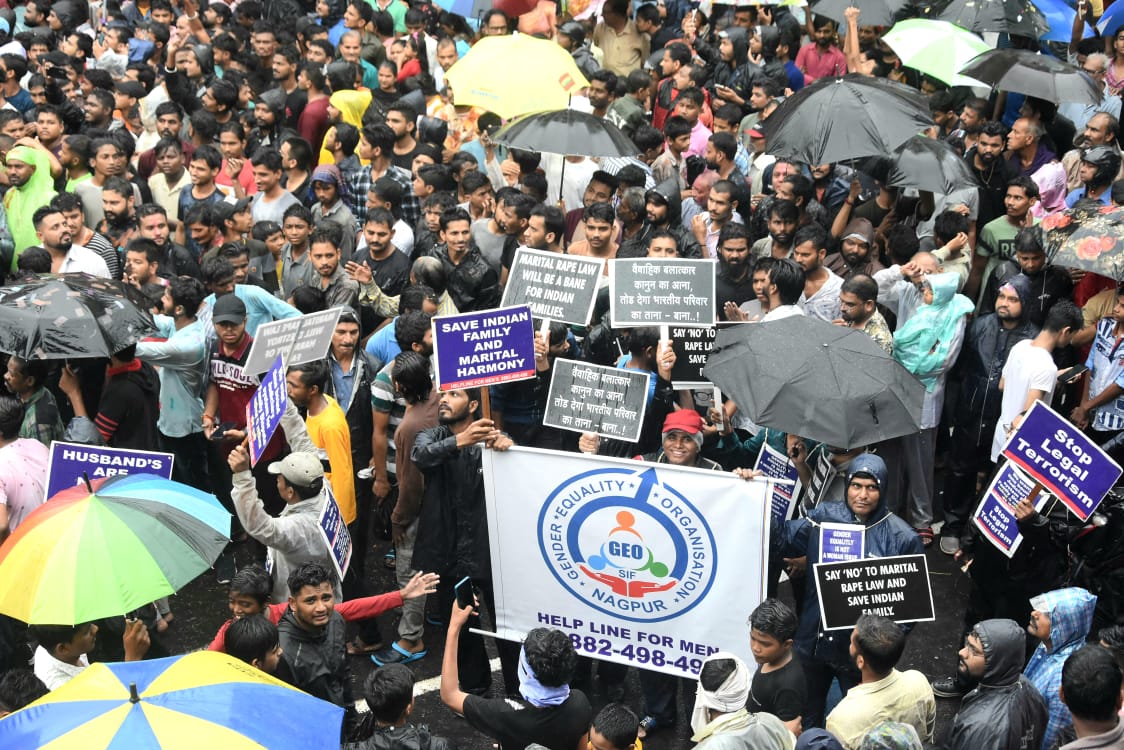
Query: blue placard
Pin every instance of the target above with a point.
(995, 516)
(1057, 455)
(334, 532)
(842, 542)
(484, 348)
(69, 461)
(265, 410)
(776, 465)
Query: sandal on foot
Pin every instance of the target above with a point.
(397, 655)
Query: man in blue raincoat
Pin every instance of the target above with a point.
(824, 655)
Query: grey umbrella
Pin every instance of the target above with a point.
(929, 164)
(816, 380)
(1027, 72)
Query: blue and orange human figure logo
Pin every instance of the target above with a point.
(627, 544)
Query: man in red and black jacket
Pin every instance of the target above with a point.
(129, 404)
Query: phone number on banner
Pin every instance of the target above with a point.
(661, 651)
(637, 654)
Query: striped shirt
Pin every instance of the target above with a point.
(1106, 365)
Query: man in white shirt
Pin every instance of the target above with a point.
(54, 234)
(786, 285)
(820, 298)
(1030, 373)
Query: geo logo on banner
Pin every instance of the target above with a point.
(635, 548)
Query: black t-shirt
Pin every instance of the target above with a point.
(870, 211)
(727, 290)
(392, 273)
(405, 161)
(295, 103)
(780, 692)
(516, 724)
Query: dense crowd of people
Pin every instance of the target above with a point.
(238, 164)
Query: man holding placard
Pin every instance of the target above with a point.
(452, 534)
(877, 533)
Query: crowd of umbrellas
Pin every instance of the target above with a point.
(113, 545)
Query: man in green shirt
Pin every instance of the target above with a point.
(996, 242)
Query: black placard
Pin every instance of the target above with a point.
(894, 587)
(555, 286)
(661, 291)
(692, 347)
(591, 398)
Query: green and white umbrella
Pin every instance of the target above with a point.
(937, 48)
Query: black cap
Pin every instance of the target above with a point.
(226, 210)
(228, 309)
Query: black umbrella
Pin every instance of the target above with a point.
(836, 119)
(871, 12)
(929, 164)
(1027, 72)
(71, 315)
(816, 380)
(1019, 17)
(566, 131)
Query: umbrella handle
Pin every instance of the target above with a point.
(86, 479)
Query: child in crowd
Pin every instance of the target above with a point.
(62, 651)
(615, 728)
(389, 692)
(778, 684)
(255, 640)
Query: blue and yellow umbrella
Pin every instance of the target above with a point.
(205, 699)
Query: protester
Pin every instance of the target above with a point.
(778, 683)
(294, 536)
(1005, 711)
(452, 537)
(312, 635)
(1090, 689)
(389, 692)
(884, 694)
(547, 712)
(61, 653)
(23, 468)
(720, 718)
(1060, 621)
(27, 380)
(824, 654)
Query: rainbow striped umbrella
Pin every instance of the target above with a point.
(108, 547)
(205, 699)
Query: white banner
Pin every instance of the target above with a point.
(650, 565)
